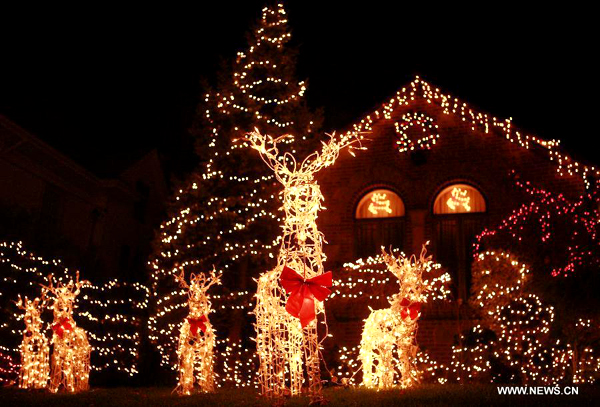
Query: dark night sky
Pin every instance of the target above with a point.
(104, 84)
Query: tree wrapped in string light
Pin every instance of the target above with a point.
(197, 337)
(111, 313)
(224, 213)
(35, 360)
(287, 331)
(388, 349)
(71, 349)
(564, 229)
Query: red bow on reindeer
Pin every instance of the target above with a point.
(301, 303)
(196, 323)
(62, 326)
(410, 308)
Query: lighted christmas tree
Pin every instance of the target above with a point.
(226, 213)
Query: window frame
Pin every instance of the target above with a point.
(463, 273)
(385, 223)
(441, 190)
(370, 191)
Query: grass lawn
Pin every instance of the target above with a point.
(429, 395)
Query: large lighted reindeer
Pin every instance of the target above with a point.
(35, 359)
(197, 338)
(70, 367)
(388, 346)
(287, 331)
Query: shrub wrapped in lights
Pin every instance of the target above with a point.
(513, 343)
(511, 323)
(113, 315)
(498, 278)
(197, 338)
(388, 347)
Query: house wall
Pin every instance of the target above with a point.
(460, 155)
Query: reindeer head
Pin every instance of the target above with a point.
(197, 291)
(64, 296)
(292, 173)
(303, 199)
(33, 311)
(414, 288)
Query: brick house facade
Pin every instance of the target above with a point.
(57, 207)
(467, 148)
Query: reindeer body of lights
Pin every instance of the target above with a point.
(71, 350)
(35, 352)
(283, 341)
(197, 337)
(393, 330)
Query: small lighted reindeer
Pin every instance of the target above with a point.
(71, 350)
(35, 360)
(388, 344)
(287, 330)
(197, 338)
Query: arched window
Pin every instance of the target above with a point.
(459, 215)
(459, 198)
(379, 222)
(381, 203)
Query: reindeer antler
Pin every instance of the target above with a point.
(72, 286)
(206, 281)
(79, 284)
(214, 278)
(24, 302)
(180, 278)
(21, 303)
(49, 287)
(43, 300)
(269, 152)
(285, 166)
(403, 267)
(330, 151)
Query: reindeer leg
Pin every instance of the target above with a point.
(56, 370)
(206, 364)
(69, 373)
(404, 365)
(295, 338)
(367, 364)
(186, 368)
(388, 364)
(271, 341)
(311, 347)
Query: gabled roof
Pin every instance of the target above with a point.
(484, 122)
(47, 163)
